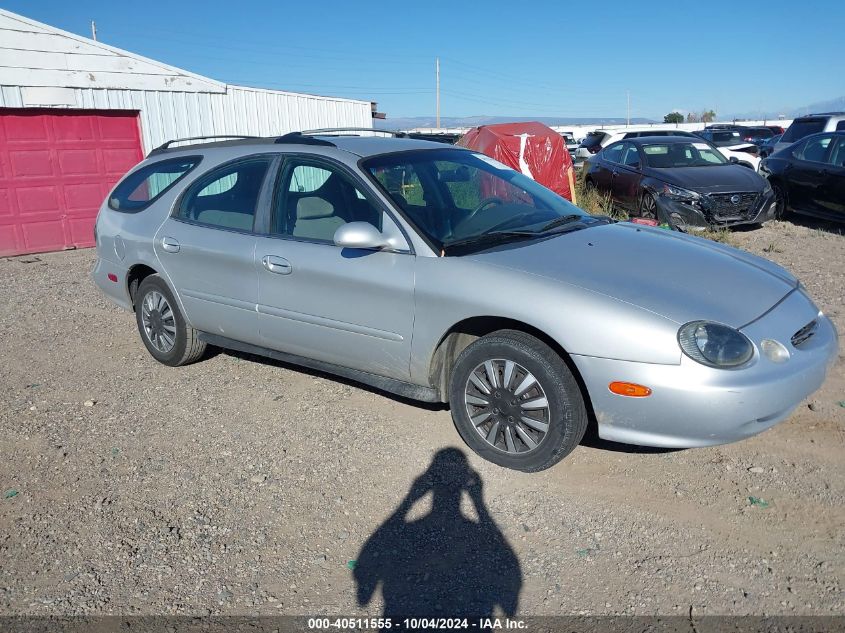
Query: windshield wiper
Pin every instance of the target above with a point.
(496, 237)
(562, 221)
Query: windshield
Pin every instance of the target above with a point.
(668, 155)
(455, 195)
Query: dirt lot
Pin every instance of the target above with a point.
(242, 486)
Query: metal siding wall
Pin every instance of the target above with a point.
(168, 115)
(10, 97)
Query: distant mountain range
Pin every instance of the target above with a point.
(409, 123)
(831, 105)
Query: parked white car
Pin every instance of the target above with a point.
(597, 139)
(732, 146)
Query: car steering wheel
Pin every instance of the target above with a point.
(482, 205)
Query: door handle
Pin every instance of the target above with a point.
(278, 265)
(170, 245)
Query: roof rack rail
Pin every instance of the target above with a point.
(299, 138)
(338, 131)
(166, 146)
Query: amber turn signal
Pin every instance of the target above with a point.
(630, 389)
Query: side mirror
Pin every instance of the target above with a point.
(360, 235)
(734, 160)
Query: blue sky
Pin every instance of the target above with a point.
(497, 58)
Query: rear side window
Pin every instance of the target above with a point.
(801, 128)
(140, 188)
(226, 197)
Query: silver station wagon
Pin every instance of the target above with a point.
(439, 274)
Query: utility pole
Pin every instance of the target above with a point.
(437, 79)
(93, 30)
(628, 94)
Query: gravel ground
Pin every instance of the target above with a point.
(243, 486)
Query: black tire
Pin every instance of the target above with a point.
(186, 346)
(565, 416)
(780, 201)
(648, 206)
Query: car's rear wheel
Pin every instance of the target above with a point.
(515, 402)
(166, 335)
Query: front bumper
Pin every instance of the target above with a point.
(693, 405)
(684, 216)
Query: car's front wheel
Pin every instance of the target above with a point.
(648, 206)
(780, 201)
(166, 335)
(515, 402)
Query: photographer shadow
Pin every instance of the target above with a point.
(443, 564)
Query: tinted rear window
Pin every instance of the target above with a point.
(728, 137)
(801, 128)
(757, 133)
(140, 188)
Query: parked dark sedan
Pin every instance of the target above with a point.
(683, 182)
(809, 176)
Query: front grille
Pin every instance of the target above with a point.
(733, 206)
(805, 333)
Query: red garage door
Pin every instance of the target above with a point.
(56, 168)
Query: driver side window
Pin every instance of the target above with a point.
(613, 153)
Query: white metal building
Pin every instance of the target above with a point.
(76, 114)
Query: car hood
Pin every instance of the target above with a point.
(677, 276)
(716, 179)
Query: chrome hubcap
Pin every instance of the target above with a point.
(507, 406)
(159, 323)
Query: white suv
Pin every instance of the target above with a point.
(596, 140)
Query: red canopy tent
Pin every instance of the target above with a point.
(532, 148)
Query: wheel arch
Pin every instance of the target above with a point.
(135, 276)
(464, 332)
(776, 180)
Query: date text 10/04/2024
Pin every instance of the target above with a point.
(416, 623)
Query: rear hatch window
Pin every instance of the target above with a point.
(727, 138)
(593, 139)
(757, 134)
(801, 128)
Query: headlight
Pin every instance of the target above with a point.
(679, 194)
(715, 345)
